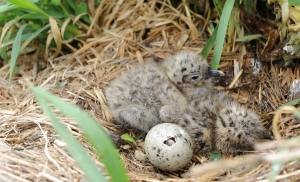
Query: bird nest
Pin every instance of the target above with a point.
(123, 34)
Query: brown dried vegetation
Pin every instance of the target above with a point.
(123, 33)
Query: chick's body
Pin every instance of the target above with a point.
(144, 97)
(156, 93)
(218, 123)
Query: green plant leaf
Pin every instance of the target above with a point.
(248, 38)
(15, 51)
(294, 2)
(74, 147)
(81, 8)
(221, 32)
(3, 53)
(71, 4)
(126, 137)
(56, 14)
(26, 4)
(55, 2)
(7, 7)
(102, 143)
(216, 156)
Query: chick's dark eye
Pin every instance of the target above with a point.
(195, 77)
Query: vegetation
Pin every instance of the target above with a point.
(34, 19)
(53, 26)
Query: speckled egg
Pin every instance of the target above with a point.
(168, 147)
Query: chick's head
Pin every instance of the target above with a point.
(189, 68)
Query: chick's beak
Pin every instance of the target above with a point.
(266, 136)
(215, 73)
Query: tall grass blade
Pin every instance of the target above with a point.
(218, 6)
(221, 32)
(102, 143)
(74, 147)
(15, 51)
(210, 43)
(7, 27)
(292, 102)
(248, 38)
(276, 166)
(26, 4)
(6, 7)
(247, 5)
(32, 36)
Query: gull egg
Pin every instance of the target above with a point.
(168, 147)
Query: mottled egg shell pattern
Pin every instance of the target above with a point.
(168, 147)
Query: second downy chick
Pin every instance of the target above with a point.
(218, 123)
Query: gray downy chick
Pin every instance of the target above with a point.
(191, 74)
(218, 123)
(152, 93)
(144, 97)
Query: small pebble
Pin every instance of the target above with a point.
(140, 156)
(125, 147)
(59, 143)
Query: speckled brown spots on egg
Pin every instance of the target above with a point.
(172, 156)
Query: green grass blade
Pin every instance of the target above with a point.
(32, 36)
(15, 51)
(3, 53)
(71, 4)
(26, 4)
(292, 102)
(276, 166)
(99, 139)
(210, 43)
(221, 33)
(9, 42)
(74, 147)
(218, 5)
(248, 38)
(294, 2)
(6, 7)
(248, 5)
(7, 26)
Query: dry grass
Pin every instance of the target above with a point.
(114, 44)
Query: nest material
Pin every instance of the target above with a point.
(124, 33)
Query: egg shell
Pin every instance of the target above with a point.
(168, 147)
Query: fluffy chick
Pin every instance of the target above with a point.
(144, 97)
(218, 123)
(154, 93)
